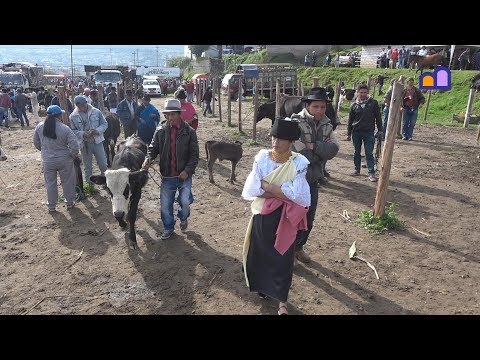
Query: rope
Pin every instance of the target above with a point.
(152, 176)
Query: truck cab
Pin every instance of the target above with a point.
(104, 77)
(14, 79)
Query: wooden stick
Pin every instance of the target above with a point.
(214, 276)
(369, 265)
(76, 260)
(421, 232)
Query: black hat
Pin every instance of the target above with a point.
(286, 129)
(129, 92)
(316, 94)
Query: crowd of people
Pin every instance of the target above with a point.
(283, 184)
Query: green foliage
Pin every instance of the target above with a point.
(89, 189)
(251, 142)
(284, 58)
(442, 104)
(197, 50)
(181, 62)
(231, 61)
(375, 224)
(239, 133)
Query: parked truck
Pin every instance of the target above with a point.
(266, 75)
(21, 74)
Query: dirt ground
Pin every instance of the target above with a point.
(79, 262)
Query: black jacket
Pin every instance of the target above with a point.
(187, 148)
(364, 119)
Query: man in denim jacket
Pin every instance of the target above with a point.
(88, 125)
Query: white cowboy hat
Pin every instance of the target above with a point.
(172, 105)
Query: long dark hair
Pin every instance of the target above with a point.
(49, 126)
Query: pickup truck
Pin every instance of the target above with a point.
(352, 59)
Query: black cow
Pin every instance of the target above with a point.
(290, 105)
(125, 181)
(223, 151)
(3, 156)
(111, 135)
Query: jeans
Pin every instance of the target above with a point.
(88, 151)
(168, 190)
(208, 108)
(409, 120)
(22, 114)
(368, 139)
(190, 97)
(4, 115)
(302, 236)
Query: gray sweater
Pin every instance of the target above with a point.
(64, 146)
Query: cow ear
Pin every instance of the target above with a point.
(98, 179)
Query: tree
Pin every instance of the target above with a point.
(197, 50)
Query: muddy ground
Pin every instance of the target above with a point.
(79, 262)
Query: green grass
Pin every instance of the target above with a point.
(377, 224)
(442, 104)
(251, 142)
(239, 133)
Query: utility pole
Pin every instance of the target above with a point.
(138, 62)
(71, 58)
(157, 54)
(133, 59)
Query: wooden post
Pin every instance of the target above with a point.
(284, 89)
(387, 151)
(197, 91)
(261, 86)
(369, 80)
(277, 98)
(240, 80)
(315, 82)
(214, 91)
(270, 74)
(62, 98)
(255, 111)
(298, 87)
(229, 105)
(337, 99)
(219, 101)
(302, 90)
(468, 112)
(426, 106)
(101, 104)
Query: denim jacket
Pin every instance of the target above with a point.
(96, 121)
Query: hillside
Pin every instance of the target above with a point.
(442, 104)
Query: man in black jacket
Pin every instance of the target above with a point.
(364, 114)
(177, 144)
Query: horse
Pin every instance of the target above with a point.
(421, 62)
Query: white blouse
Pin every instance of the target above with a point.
(296, 190)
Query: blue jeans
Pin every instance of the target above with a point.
(368, 138)
(88, 151)
(168, 190)
(409, 120)
(4, 115)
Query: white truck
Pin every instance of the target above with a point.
(104, 77)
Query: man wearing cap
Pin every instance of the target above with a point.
(281, 196)
(89, 124)
(59, 147)
(189, 114)
(318, 144)
(126, 111)
(177, 144)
